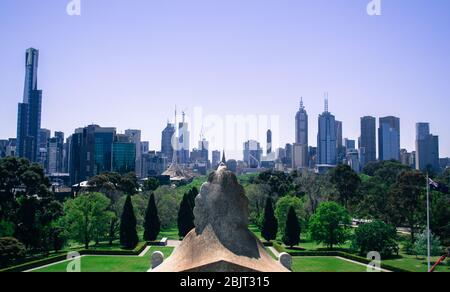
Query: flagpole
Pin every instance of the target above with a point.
(428, 223)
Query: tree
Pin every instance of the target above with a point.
(85, 216)
(282, 209)
(291, 235)
(129, 184)
(128, 234)
(376, 236)
(329, 224)
(421, 245)
(152, 224)
(346, 182)
(167, 203)
(257, 195)
(10, 250)
(185, 216)
(151, 184)
(407, 200)
(270, 224)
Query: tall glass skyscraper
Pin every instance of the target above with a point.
(166, 141)
(300, 147)
(29, 111)
(389, 138)
(326, 138)
(368, 139)
(427, 149)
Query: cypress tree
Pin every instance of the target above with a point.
(128, 234)
(269, 228)
(292, 232)
(152, 223)
(185, 216)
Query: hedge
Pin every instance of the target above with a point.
(53, 259)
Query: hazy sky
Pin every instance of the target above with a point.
(128, 63)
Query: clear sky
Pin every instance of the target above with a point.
(127, 63)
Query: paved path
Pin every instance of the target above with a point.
(144, 252)
(274, 251)
(173, 243)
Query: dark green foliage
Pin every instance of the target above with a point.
(128, 234)
(291, 235)
(376, 236)
(151, 184)
(152, 223)
(346, 182)
(329, 224)
(10, 250)
(279, 182)
(407, 199)
(269, 227)
(186, 215)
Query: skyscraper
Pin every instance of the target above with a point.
(29, 111)
(124, 154)
(339, 140)
(269, 142)
(166, 141)
(252, 154)
(427, 149)
(183, 141)
(301, 125)
(389, 138)
(326, 138)
(135, 137)
(368, 139)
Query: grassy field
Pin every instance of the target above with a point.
(111, 263)
(324, 264)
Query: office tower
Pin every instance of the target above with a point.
(154, 163)
(44, 135)
(145, 147)
(281, 154)
(252, 154)
(29, 111)
(135, 137)
(408, 158)
(389, 138)
(427, 149)
(269, 142)
(215, 158)
(338, 125)
(289, 153)
(368, 139)
(3, 144)
(349, 144)
(124, 153)
(90, 152)
(183, 141)
(301, 125)
(352, 159)
(11, 147)
(168, 135)
(299, 156)
(54, 154)
(326, 138)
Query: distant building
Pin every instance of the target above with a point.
(349, 144)
(389, 138)
(124, 154)
(154, 163)
(29, 111)
(299, 156)
(215, 159)
(135, 137)
(183, 142)
(55, 154)
(145, 147)
(252, 154)
(168, 134)
(427, 149)
(408, 158)
(269, 142)
(326, 138)
(368, 139)
(301, 125)
(44, 135)
(90, 152)
(444, 163)
(288, 158)
(352, 159)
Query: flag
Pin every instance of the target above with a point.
(437, 187)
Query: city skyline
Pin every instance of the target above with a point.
(93, 81)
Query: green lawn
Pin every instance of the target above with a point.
(111, 263)
(324, 264)
(413, 264)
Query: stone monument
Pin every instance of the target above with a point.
(221, 240)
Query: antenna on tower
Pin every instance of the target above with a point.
(301, 103)
(326, 102)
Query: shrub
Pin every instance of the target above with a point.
(10, 250)
(376, 236)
